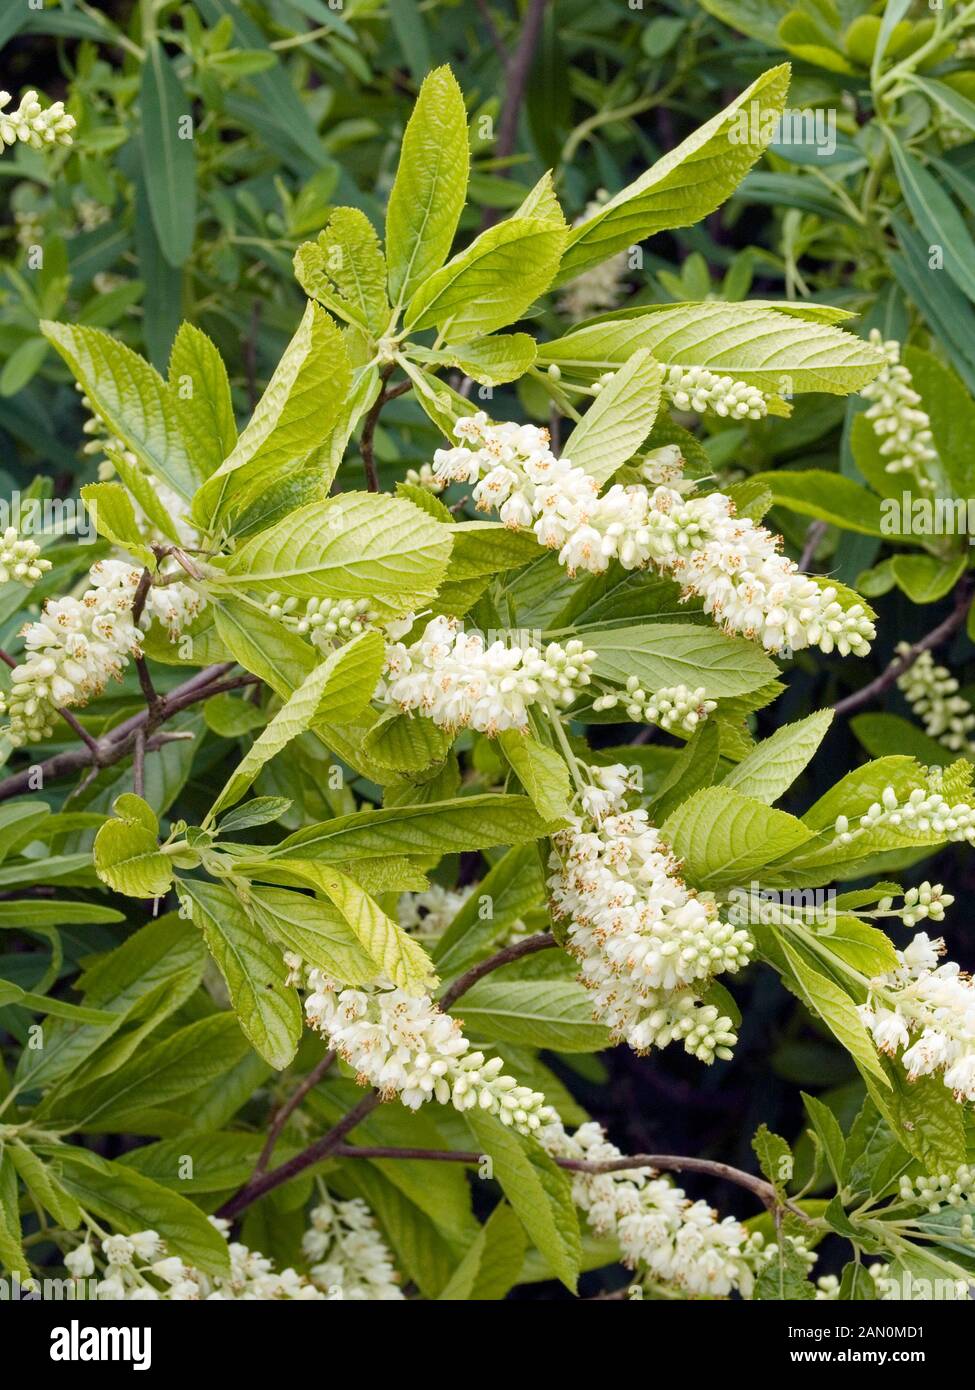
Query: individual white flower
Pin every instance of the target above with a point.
(931, 1007)
(405, 1046)
(80, 1261)
(896, 417)
(646, 944)
(932, 693)
(348, 1257)
(453, 678)
(20, 559)
(34, 124)
(424, 477)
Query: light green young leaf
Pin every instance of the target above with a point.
(827, 497)
(541, 771)
(345, 270)
(201, 389)
(777, 761)
(39, 1179)
(491, 361)
(315, 930)
(337, 689)
(619, 420)
(834, 1006)
(131, 398)
(827, 1127)
(266, 1007)
(430, 186)
(357, 545)
(688, 182)
(492, 282)
(406, 743)
(128, 858)
(491, 1265)
(724, 837)
(291, 420)
(110, 508)
(774, 351)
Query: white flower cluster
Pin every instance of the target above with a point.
(672, 707)
(928, 1010)
(932, 693)
(347, 1256)
(427, 915)
(922, 813)
(602, 286)
(728, 561)
(660, 1231)
(326, 621)
(135, 1267)
(34, 124)
(404, 1045)
(79, 644)
(20, 559)
(954, 1189)
(896, 417)
(926, 901)
(454, 679)
(700, 390)
(646, 944)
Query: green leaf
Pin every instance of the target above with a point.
(396, 954)
(315, 930)
(345, 270)
(511, 888)
(442, 827)
(131, 398)
(663, 654)
(128, 858)
(777, 761)
(774, 1157)
(835, 1007)
(201, 389)
(827, 497)
(337, 689)
(12, 1255)
(951, 410)
(430, 186)
(924, 578)
(492, 282)
(491, 1265)
(556, 1014)
(357, 545)
(291, 421)
(406, 743)
(938, 219)
(541, 771)
(178, 1065)
(723, 837)
(44, 1187)
(688, 182)
(131, 1202)
(619, 420)
(168, 157)
(924, 1117)
(827, 1128)
(491, 360)
(767, 348)
(110, 508)
(539, 1192)
(266, 1007)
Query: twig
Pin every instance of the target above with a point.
(670, 1163)
(517, 68)
(904, 662)
(139, 762)
(284, 1113)
(120, 741)
(369, 429)
(531, 944)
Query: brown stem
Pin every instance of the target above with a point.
(904, 661)
(814, 535)
(139, 763)
(519, 66)
(369, 430)
(531, 944)
(284, 1113)
(672, 1163)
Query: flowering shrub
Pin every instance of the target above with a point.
(359, 808)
